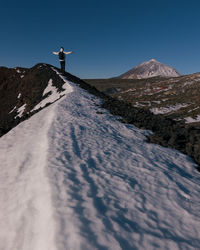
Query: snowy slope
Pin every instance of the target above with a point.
(148, 69)
(73, 177)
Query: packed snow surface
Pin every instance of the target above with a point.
(74, 177)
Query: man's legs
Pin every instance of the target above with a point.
(62, 64)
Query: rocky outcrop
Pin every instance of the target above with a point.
(21, 90)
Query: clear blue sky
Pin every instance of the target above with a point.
(109, 37)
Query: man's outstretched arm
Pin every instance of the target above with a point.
(67, 53)
(55, 53)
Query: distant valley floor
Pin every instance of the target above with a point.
(177, 98)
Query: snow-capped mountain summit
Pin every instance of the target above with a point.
(148, 69)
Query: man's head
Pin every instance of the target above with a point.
(61, 49)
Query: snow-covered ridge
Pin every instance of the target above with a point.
(26, 211)
(77, 178)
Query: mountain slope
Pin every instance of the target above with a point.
(148, 69)
(176, 98)
(76, 178)
(25, 91)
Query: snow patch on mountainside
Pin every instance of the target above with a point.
(192, 120)
(166, 110)
(20, 111)
(153, 91)
(52, 95)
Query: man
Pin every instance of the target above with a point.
(61, 55)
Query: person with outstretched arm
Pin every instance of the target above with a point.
(61, 55)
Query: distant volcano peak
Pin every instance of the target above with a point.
(152, 60)
(149, 69)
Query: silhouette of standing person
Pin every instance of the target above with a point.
(61, 55)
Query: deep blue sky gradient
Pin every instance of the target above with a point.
(108, 37)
